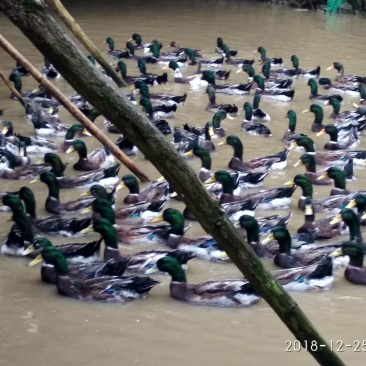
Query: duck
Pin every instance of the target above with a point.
(235, 89)
(268, 199)
(275, 61)
(49, 70)
(158, 79)
(73, 131)
(178, 77)
(159, 98)
(253, 128)
(252, 229)
(75, 253)
(126, 146)
(296, 71)
(277, 161)
(204, 155)
(318, 111)
(325, 204)
(322, 228)
(106, 177)
(339, 178)
(350, 218)
(97, 159)
(348, 89)
(80, 271)
(158, 112)
(138, 42)
(34, 144)
(213, 107)
(204, 247)
(8, 171)
(291, 134)
(222, 48)
(249, 70)
(358, 201)
(279, 94)
(119, 289)
(191, 136)
(52, 203)
(258, 114)
(328, 157)
(235, 293)
(151, 80)
(339, 143)
(154, 192)
(314, 92)
(308, 161)
(21, 233)
(116, 54)
(23, 158)
(27, 96)
(54, 225)
(362, 91)
(287, 258)
(274, 83)
(355, 271)
(341, 78)
(343, 117)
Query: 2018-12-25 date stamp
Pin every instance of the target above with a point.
(334, 345)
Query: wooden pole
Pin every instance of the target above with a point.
(73, 110)
(37, 24)
(83, 38)
(12, 89)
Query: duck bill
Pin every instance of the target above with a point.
(268, 239)
(86, 132)
(211, 131)
(255, 51)
(308, 210)
(131, 88)
(152, 269)
(320, 133)
(1, 203)
(40, 161)
(224, 255)
(87, 230)
(210, 180)
(326, 102)
(158, 219)
(289, 183)
(87, 210)
(355, 105)
(86, 194)
(35, 180)
(238, 71)
(294, 145)
(173, 194)
(336, 220)
(222, 143)
(305, 111)
(337, 253)
(351, 204)
(322, 177)
(330, 67)
(4, 131)
(120, 186)
(298, 163)
(70, 150)
(237, 225)
(189, 153)
(160, 179)
(166, 67)
(35, 261)
(29, 250)
(229, 117)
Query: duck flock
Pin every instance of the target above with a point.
(306, 262)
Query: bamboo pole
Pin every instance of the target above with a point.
(83, 38)
(73, 110)
(12, 89)
(37, 24)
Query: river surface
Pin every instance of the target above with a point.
(39, 327)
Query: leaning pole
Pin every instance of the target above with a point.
(33, 19)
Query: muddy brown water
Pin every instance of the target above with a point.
(40, 328)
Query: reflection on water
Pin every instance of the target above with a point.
(159, 330)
